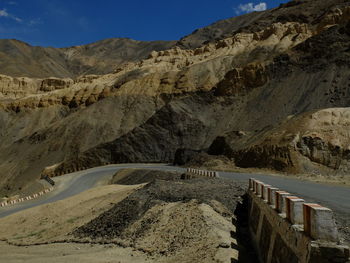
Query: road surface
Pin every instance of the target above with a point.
(334, 197)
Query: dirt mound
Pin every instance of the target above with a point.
(140, 176)
(52, 222)
(115, 222)
(185, 220)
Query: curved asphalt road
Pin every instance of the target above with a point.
(334, 197)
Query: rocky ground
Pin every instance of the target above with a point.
(168, 220)
(69, 252)
(170, 216)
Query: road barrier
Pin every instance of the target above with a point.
(204, 173)
(284, 228)
(27, 198)
(49, 180)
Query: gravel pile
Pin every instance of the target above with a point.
(114, 222)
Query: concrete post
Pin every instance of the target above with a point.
(258, 188)
(307, 217)
(271, 195)
(264, 191)
(280, 205)
(319, 223)
(294, 209)
(251, 183)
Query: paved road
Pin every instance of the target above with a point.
(334, 197)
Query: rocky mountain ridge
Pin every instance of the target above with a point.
(19, 59)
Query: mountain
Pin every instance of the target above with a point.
(299, 11)
(270, 90)
(19, 59)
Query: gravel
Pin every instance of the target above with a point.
(114, 222)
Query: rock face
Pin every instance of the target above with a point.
(224, 96)
(311, 142)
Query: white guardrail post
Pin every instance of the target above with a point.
(318, 221)
(204, 173)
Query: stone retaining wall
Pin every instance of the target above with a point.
(284, 228)
(33, 196)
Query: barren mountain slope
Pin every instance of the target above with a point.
(313, 142)
(144, 111)
(301, 11)
(248, 103)
(19, 59)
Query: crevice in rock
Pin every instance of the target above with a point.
(247, 253)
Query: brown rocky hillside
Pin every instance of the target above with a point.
(228, 93)
(19, 59)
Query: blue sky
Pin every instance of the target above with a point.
(62, 23)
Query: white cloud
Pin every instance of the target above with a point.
(4, 13)
(250, 7)
(35, 21)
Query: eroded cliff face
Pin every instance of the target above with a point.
(247, 82)
(315, 142)
(173, 71)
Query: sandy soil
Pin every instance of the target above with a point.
(69, 252)
(204, 234)
(54, 221)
